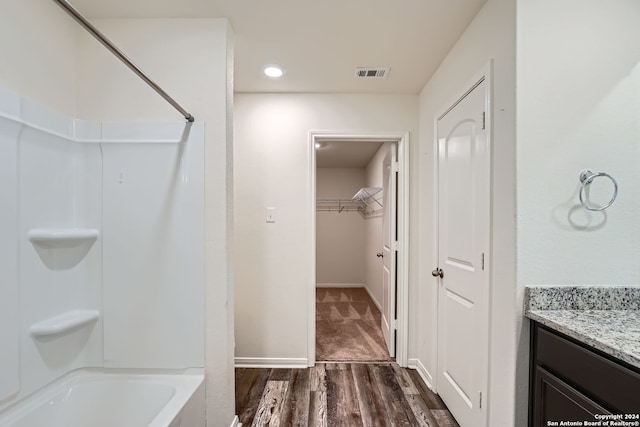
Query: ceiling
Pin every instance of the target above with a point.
(346, 154)
(320, 43)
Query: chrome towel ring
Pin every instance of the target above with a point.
(586, 178)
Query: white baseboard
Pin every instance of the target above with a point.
(269, 362)
(340, 285)
(236, 422)
(375, 301)
(422, 371)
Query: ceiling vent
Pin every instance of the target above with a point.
(372, 72)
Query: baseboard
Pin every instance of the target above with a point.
(236, 422)
(340, 285)
(269, 362)
(422, 371)
(375, 301)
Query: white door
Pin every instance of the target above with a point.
(463, 240)
(389, 248)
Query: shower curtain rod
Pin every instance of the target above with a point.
(121, 56)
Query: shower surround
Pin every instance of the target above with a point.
(101, 248)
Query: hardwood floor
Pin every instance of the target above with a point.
(338, 394)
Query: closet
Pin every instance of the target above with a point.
(349, 210)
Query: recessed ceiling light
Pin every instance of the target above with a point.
(273, 71)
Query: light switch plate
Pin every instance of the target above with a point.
(270, 215)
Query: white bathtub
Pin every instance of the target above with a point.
(103, 398)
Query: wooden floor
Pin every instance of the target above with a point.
(338, 394)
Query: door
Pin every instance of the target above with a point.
(557, 401)
(463, 243)
(389, 248)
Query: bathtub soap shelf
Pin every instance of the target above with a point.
(51, 238)
(62, 248)
(64, 322)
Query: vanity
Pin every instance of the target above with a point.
(584, 356)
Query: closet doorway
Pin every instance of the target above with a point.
(358, 295)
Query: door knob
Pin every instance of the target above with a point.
(437, 272)
(380, 255)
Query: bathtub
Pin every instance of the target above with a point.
(104, 398)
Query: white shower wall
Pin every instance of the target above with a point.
(45, 186)
(58, 188)
(9, 314)
(153, 247)
(143, 274)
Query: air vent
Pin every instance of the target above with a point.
(372, 72)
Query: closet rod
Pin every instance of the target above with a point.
(121, 56)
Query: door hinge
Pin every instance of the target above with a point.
(482, 260)
(394, 324)
(395, 166)
(395, 246)
(484, 120)
(480, 400)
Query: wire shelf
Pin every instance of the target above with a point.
(367, 201)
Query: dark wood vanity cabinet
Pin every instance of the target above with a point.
(570, 381)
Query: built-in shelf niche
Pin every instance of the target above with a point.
(62, 248)
(64, 322)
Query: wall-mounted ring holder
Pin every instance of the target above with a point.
(586, 178)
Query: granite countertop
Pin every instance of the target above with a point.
(605, 318)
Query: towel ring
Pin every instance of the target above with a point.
(586, 178)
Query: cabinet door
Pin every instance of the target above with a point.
(602, 379)
(557, 401)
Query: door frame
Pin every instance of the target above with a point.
(402, 267)
(485, 73)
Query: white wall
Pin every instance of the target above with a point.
(38, 61)
(38, 53)
(374, 243)
(340, 236)
(272, 168)
(50, 182)
(153, 246)
(491, 36)
(59, 188)
(192, 60)
(578, 108)
(9, 291)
